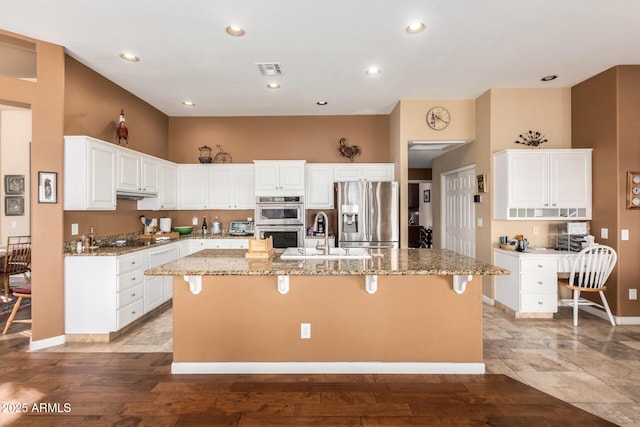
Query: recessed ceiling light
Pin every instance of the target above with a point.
(322, 102)
(549, 78)
(273, 86)
(189, 103)
(236, 31)
(415, 27)
(372, 71)
(127, 56)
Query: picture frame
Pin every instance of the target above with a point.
(14, 205)
(47, 187)
(427, 196)
(14, 184)
(481, 183)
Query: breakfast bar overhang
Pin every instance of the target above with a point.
(401, 311)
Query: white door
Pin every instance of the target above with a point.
(458, 211)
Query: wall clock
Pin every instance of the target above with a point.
(633, 190)
(438, 118)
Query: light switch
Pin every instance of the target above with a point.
(604, 233)
(624, 234)
(74, 229)
(479, 220)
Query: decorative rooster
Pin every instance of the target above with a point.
(122, 132)
(348, 151)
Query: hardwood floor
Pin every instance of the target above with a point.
(137, 389)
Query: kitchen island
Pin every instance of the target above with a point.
(401, 311)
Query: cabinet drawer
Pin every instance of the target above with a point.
(238, 243)
(539, 265)
(129, 313)
(131, 262)
(539, 302)
(546, 282)
(130, 295)
(127, 280)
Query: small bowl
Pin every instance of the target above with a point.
(183, 230)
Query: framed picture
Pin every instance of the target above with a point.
(427, 196)
(14, 184)
(14, 205)
(482, 182)
(47, 187)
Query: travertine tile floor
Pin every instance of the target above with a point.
(595, 366)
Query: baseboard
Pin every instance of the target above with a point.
(325, 368)
(487, 300)
(620, 320)
(46, 343)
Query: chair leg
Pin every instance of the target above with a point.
(12, 315)
(576, 298)
(6, 287)
(606, 307)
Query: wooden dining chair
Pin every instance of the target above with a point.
(20, 293)
(17, 260)
(589, 273)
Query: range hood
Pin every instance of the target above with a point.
(130, 195)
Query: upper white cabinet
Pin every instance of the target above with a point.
(193, 186)
(319, 194)
(89, 174)
(167, 192)
(542, 184)
(279, 177)
(232, 186)
(363, 171)
(137, 173)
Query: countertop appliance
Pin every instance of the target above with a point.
(368, 214)
(282, 218)
(241, 228)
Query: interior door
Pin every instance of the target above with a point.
(459, 233)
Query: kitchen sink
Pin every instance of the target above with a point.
(334, 253)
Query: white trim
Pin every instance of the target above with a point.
(46, 343)
(326, 368)
(487, 300)
(620, 320)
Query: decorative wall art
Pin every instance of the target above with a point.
(348, 151)
(14, 205)
(47, 187)
(427, 196)
(481, 183)
(531, 138)
(14, 184)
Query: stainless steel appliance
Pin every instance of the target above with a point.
(282, 218)
(368, 214)
(241, 228)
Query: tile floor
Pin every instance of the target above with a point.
(595, 366)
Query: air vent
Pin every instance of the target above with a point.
(270, 68)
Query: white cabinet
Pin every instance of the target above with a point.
(167, 192)
(320, 193)
(363, 171)
(193, 187)
(90, 174)
(279, 177)
(542, 184)
(158, 289)
(532, 287)
(196, 245)
(137, 173)
(231, 186)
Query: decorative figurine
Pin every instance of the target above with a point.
(205, 154)
(348, 151)
(531, 138)
(122, 132)
(221, 157)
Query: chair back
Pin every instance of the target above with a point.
(592, 267)
(18, 257)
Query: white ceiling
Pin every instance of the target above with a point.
(324, 48)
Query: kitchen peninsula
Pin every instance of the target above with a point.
(400, 311)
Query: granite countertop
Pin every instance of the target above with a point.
(135, 244)
(431, 262)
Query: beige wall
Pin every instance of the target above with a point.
(15, 151)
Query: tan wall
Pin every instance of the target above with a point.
(46, 98)
(610, 127)
(409, 319)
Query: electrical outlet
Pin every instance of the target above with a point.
(14, 224)
(624, 234)
(305, 331)
(536, 231)
(604, 233)
(633, 294)
(480, 222)
(74, 229)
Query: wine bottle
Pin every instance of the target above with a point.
(204, 225)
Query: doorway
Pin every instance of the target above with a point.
(458, 211)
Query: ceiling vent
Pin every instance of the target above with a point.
(270, 69)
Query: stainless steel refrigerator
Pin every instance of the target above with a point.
(367, 214)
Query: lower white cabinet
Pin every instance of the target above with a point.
(196, 245)
(532, 286)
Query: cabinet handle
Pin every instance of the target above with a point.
(540, 266)
(133, 279)
(133, 294)
(540, 303)
(133, 313)
(133, 263)
(539, 283)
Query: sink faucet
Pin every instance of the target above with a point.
(323, 247)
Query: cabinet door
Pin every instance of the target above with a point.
(267, 176)
(101, 179)
(128, 171)
(220, 187)
(319, 194)
(347, 173)
(168, 191)
(153, 292)
(193, 187)
(570, 182)
(244, 187)
(149, 176)
(292, 176)
(378, 172)
(528, 174)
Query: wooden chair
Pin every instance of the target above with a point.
(589, 273)
(20, 293)
(17, 260)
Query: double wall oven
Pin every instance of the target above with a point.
(282, 218)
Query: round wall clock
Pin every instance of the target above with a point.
(438, 118)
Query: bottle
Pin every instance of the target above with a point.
(216, 226)
(320, 225)
(92, 237)
(83, 239)
(204, 225)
